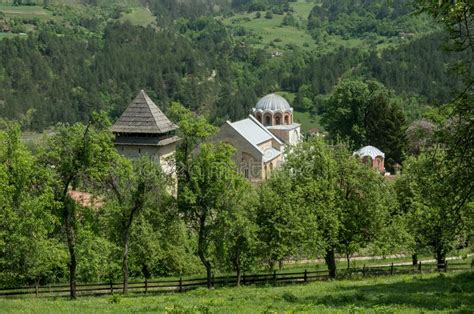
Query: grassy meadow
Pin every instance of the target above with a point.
(138, 16)
(433, 293)
(270, 33)
(25, 11)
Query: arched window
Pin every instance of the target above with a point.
(268, 120)
(277, 120)
(259, 117)
(287, 119)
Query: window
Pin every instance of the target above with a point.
(246, 173)
(277, 120)
(268, 120)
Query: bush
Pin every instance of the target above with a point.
(269, 15)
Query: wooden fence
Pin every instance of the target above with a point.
(183, 284)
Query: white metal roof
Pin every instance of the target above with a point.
(255, 133)
(270, 154)
(370, 151)
(252, 132)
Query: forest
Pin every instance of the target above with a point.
(73, 73)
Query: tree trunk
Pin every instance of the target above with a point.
(414, 259)
(126, 240)
(440, 258)
(237, 265)
(71, 244)
(348, 257)
(202, 249)
(331, 262)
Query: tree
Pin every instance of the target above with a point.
(432, 206)
(214, 187)
(77, 155)
(364, 114)
(286, 228)
(420, 136)
(134, 188)
(364, 201)
(30, 252)
(194, 130)
(458, 133)
(236, 240)
(347, 199)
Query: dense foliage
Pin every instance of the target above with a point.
(322, 202)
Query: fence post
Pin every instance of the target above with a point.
(391, 269)
(243, 279)
(419, 267)
(180, 283)
(36, 288)
(363, 270)
(212, 280)
(111, 287)
(445, 266)
(146, 285)
(274, 277)
(305, 275)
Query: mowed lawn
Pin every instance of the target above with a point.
(436, 293)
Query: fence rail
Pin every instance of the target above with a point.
(183, 284)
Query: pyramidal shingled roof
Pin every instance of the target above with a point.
(143, 116)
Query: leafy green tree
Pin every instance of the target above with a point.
(29, 250)
(134, 187)
(193, 130)
(363, 200)
(236, 241)
(286, 227)
(346, 198)
(457, 134)
(214, 187)
(364, 114)
(77, 156)
(432, 206)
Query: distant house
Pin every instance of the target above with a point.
(372, 156)
(144, 130)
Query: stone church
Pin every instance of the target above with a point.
(260, 139)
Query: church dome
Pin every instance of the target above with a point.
(273, 102)
(370, 151)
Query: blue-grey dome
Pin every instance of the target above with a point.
(273, 102)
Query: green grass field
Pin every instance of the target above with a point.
(307, 120)
(433, 293)
(269, 33)
(139, 16)
(26, 11)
